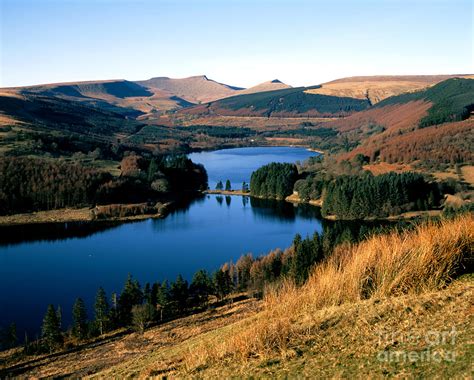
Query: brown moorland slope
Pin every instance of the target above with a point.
(120, 93)
(377, 88)
(447, 143)
(196, 89)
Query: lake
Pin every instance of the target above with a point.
(55, 263)
(236, 165)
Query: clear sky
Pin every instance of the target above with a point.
(238, 42)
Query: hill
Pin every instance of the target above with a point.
(53, 113)
(377, 88)
(265, 86)
(121, 96)
(196, 89)
(392, 305)
(281, 103)
(432, 126)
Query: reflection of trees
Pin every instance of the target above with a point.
(11, 235)
(307, 211)
(245, 201)
(219, 199)
(272, 209)
(183, 204)
(228, 200)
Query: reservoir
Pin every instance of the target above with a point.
(56, 263)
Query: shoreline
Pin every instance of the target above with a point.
(294, 199)
(72, 215)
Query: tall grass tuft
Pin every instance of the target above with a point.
(424, 259)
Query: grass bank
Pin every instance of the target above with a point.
(116, 212)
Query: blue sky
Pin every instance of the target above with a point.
(239, 42)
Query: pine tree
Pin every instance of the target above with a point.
(152, 170)
(163, 299)
(51, 331)
(219, 185)
(79, 319)
(131, 295)
(201, 287)
(101, 310)
(59, 313)
(179, 293)
(228, 186)
(245, 187)
(222, 283)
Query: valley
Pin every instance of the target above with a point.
(120, 171)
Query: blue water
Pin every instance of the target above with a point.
(55, 267)
(238, 164)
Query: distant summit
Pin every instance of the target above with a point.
(272, 85)
(195, 89)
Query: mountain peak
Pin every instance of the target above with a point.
(276, 81)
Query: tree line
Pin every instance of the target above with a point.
(33, 184)
(274, 180)
(365, 195)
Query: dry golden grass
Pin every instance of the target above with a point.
(255, 122)
(377, 88)
(384, 266)
(468, 174)
(385, 167)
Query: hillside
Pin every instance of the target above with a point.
(377, 88)
(197, 89)
(52, 113)
(122, 96)
(387, 306)
(281, 103)
(430, 126)
(272, 85)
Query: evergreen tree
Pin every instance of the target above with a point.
(8, 337)
(114, 311)
(154, 294)
(222, 283)
(51, 331)
(131, 295)
(228, 186)
(179, 293)
(219, 185)
(201, 287)
(59, 313)
(153, 168)
(101, 310)
(163, 299)
(79, 319)
(245, 187)
(274, 180)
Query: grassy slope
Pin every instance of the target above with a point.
(422, 126)
(194, 89)
(452, 100)
(60, 114)
(328, 328)
(121, 96)
(378, 88)
(285, 102)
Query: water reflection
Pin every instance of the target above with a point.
(49, 232)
